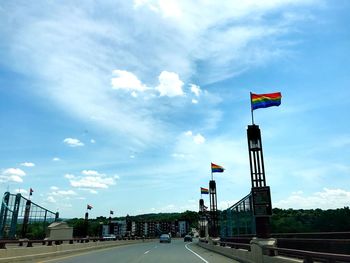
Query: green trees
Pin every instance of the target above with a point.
(310, 220)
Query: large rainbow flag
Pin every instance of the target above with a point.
(204, 191)
(265, 100)
(216, 168)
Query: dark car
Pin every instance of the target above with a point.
(188, 238)
(165, 238)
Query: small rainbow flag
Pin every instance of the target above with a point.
(204, 191)
(265, 100)
(216, 168)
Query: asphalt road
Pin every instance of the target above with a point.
(151, 252)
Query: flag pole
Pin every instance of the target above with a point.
(251, 108)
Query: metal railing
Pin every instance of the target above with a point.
(18, 214)
(238, 219)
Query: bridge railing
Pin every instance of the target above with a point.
(18, 214)
(270, 251)
(330, 242)
(50, 242)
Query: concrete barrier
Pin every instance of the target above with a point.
(255, 255)
(28, 254)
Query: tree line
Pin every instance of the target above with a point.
(282, 221)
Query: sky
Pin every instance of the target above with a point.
(123, 105)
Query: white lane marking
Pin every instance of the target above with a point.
(196, 254)
(147, 252)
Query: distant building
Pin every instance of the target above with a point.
(119, 228)
(183, 228)
(147, 228)
(59, 230)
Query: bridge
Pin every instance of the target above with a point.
(241, 232)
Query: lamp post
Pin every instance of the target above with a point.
(201, 218)
(261, 196)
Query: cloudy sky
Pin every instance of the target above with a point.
(123, 104)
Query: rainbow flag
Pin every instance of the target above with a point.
(265, 100)
(216, 168)
(204, 191)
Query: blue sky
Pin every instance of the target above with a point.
(124, 104)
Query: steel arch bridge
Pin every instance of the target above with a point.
(19, 214)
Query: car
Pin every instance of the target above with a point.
(188, 238)
(165, 238)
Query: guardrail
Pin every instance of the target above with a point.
(316, 242)
(50, 242)
(307, 256)
(235, 245)
(271, 251)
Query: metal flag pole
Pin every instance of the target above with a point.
(211, 170)
(251, 107)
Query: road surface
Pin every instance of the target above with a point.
(151, 252)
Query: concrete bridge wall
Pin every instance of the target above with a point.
(28, 254)
(245, 256)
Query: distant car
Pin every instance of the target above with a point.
(188, 238)
(165, 238)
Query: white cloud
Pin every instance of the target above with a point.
(92, 182)
(14, 171)
(198, 138)
(57, 194)
(63, 193)
(73, 142)
(91, 179)
(188, 133)
(75, 75)
(69, 176)
(91, 172)
(92, 141)
(167, 8)
(51, 199)
(12, 175)
(28, 164)
(325, 199)
(170, 84)
(56, 159)
(127, 80)
(195, 89)
(194, 101)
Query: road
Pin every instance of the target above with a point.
(151, 252)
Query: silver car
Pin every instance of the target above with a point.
(165, 238)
